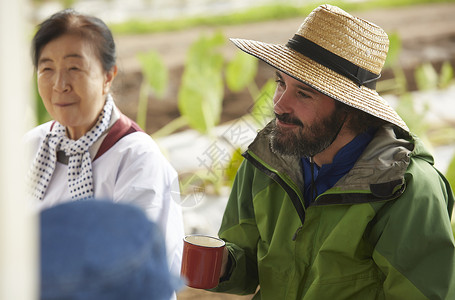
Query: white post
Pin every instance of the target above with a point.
(18, 227)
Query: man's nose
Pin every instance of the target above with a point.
(282, 103)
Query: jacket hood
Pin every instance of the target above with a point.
(380, 169)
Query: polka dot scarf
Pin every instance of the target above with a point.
(80, 181)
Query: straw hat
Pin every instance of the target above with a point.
(337, 54)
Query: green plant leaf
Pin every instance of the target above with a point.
(200, 100)
(262, 110)
(394, 50)
(241, 71)
(450, 174)
(142, 106)
(446, 75)
(407, 111)
(204, 49)
(155, 72)
(426, 77)
(234, 164)
(201, 93)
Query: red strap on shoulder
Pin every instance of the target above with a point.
(122, 127)
(52, 125)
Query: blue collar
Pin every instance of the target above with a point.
(326, 176)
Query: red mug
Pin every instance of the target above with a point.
(201, 261)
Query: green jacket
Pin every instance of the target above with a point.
(382, 232)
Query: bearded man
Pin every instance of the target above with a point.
(336, 198)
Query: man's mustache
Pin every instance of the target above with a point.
(288, 119)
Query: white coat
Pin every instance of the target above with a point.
(132, 171)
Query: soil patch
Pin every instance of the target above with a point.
(427, 33)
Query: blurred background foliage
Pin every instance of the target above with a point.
(207, 74)
(266, 12)
(257, 14)
(201, 93)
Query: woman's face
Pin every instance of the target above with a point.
(72, 83)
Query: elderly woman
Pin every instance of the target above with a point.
(91, 150)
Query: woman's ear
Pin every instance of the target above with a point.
(109, 78)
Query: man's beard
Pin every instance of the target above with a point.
(306, 141)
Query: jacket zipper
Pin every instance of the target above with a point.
(293, 195)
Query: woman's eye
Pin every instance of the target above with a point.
(45, 70)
